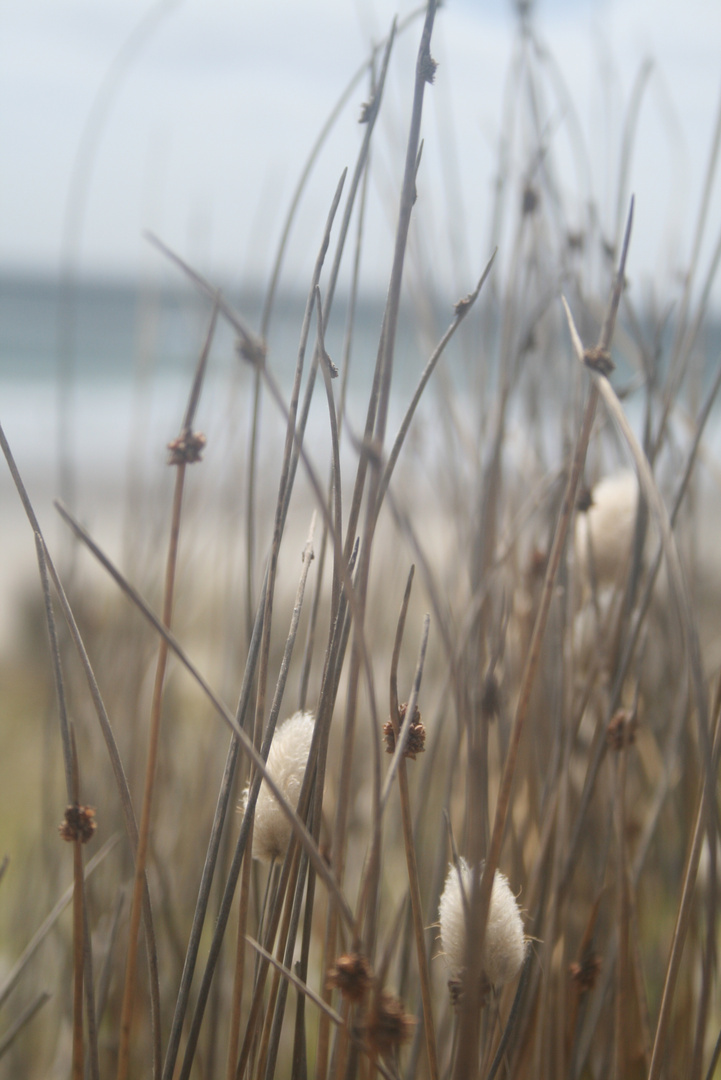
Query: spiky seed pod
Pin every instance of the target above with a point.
(416, 741)
(78, 824)
(504, 947)
(389, 1025)
(490, 697)
(585, 973)
(621, 731)
(351, 974)
(286, 763)
(187, 448)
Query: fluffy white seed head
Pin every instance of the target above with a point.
(286, 763)
(604, 533)
(505, 945)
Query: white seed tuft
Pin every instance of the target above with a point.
(605, 532)
(505, 945)
(286, 763)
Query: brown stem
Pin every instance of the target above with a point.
(411, 861)
(238, 979)
(150, 772)
(78, 929)
(621, 1048)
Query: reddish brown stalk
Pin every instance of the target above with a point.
(583, 973)
(184, 450)
(78, 932)
(78, 960)
(237, 1001)
(622, 968)
(144, 828)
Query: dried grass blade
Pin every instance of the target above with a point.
(183, 452)
(44, 929)
(408, 838)
(82, 958)
(123, 791)
(211, 857)
(675, 572)
(78, 936)
(250, 340)
(298, 826)
(24, 1018)
(462, 309)
(302, 987)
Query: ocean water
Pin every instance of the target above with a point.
(94, 384)
(93, 430)
(94, 381)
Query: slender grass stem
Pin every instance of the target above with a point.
(185, 449)
(408, 839)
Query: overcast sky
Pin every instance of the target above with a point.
(209, 125)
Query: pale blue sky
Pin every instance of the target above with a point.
(210, 126)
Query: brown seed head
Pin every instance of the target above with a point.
(609, 250)
(538, 563)
(621, 730)
(530, 342)
(461, 306)
(599, 360)
(78, 824)
(585, 973)
(455, 989)
(428, 68)
(253, 350)
(584, 500)
(416, 741)
(351, 974)
(530, 200)
(368, 111)
(490, 697)
(187, 448)
(389, 1025)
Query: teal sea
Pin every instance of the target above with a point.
(94, 384)
(98, 373)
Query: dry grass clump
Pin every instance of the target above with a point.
(480, 664)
